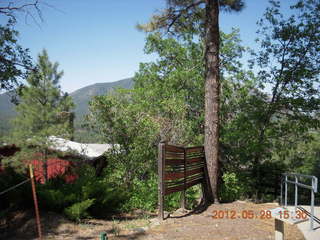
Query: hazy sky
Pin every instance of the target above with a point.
(96, 40)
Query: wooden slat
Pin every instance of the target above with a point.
(172, 148)
(194, 160)
(195, 177)
(194, 149)
(179, 182)
(174, 155)
(174, 162)
(195, 156)
(172, 168)
(173, 189)
(181, 188)
(174, 183)
(195, 182)
(173, 175)
(195, 171)
(195, 165)
(198, 154)
(176, 175)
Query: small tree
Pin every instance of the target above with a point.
(43, 111)
(288, 62)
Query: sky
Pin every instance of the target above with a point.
(96, 41)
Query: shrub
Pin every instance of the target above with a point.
(56, 195)
(143, 195)
(231, 189)
(79, 210)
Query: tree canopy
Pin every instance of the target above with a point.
(44, 111)
(15, 62)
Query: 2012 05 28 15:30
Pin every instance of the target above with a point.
(251, 214)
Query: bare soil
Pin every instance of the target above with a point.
(180, 225)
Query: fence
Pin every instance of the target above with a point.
(313, 188)
(178, 169)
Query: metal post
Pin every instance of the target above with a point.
(312, 204)
(281, 192)
(285, 191)
(183, 193)
(296, 194)
(33, 186)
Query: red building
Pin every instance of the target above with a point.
(56, 166)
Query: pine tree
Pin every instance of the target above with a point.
(201, 17)
(43, 111)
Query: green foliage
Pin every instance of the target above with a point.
(15, 61)
(232, 189)
(79, 210)
(53, 199)
(144, 195)
(167, 103)
(87, 196)
(305, 158)
(43, 111)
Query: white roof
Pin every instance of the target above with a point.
(87, 150)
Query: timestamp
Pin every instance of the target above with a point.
(250, 214)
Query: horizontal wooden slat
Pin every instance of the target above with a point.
(194, 160)
(174, 155)
(194, 165)
(181, 188)
(171, 183)
(173, 175)
(173, 189)
(195, 154)
(190, 184)
(174, 162)
(174, 183)
(174, 168)
(194, 149)
(195, 177)
(172, 148)
(177, 175)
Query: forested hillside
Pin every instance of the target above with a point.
(7, 112)
(81, 98)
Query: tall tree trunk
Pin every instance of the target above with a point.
(212, 92)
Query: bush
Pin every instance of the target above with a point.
(143, 195)
(79, 210)
(87, 196)
(231, 189)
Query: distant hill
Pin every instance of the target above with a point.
(7, 112)
(81, 98)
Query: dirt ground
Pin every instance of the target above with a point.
(180, 225)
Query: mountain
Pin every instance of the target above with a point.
(7, 112)
(81, 98)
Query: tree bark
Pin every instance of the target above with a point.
(212, 92)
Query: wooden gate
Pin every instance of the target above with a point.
(178, 169)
